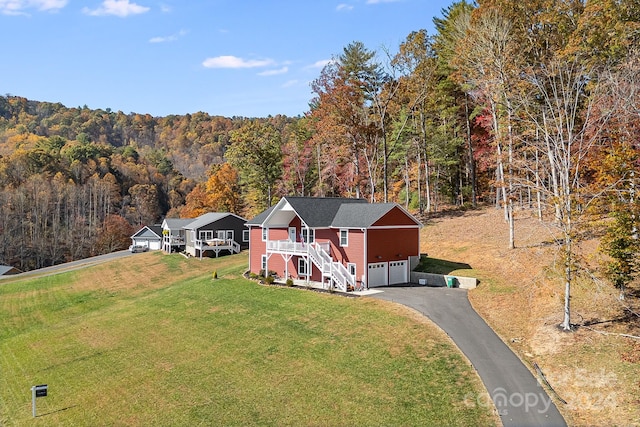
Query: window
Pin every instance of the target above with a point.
(263, 263)
(344, 238)
(302, 267)
(245, 235)
(308, 235)
(351, 268)
(229, 234)
(206, 234)
(265, 233)
(220, 234)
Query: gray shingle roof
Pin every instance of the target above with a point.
(258, 219)
(356, 216)
(7, 269)
(320, 211)
(333, 212)
(156, 229)
(177, 223)
(149, 230)
(208, 218)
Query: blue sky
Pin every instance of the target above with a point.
(249, 58)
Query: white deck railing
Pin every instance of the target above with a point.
(217, 244)
(174, 240)
(319, 253)
(287, 246)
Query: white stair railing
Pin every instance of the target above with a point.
(342, 276)
(320, 257)
(330, 268)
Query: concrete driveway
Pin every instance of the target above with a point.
(517, 396)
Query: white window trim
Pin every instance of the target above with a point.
(352, 266)
(265, 234)
(245, 236)
(308, 232)
(303, 265)
(205, 234)
(346, 242)
(263, 262)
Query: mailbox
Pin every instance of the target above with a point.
(40, 390)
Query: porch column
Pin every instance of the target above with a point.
(308, 258)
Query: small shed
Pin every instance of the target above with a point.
(7, 270)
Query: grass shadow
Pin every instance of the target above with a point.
(439, 266)
(56, 411)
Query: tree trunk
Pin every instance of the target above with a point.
(472, 163)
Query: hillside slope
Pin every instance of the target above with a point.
(521, 295)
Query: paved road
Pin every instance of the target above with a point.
(518, 397)
(73, 265)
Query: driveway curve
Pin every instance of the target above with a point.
(517, 395)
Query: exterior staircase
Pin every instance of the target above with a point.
(339, 276)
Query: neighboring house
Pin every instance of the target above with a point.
(173, 234)
(216, 232)
(342, 243)
(6, 270)
(149, 236)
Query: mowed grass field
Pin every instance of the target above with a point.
(154, 339)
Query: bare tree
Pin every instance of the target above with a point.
(487, 63)
(561, 101)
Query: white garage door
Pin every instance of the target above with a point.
(397, 272)
(377, 274)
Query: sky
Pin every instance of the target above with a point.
(249, 58)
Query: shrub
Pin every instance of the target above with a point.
(289, 282)
(269, 280)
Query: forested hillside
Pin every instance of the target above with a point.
(525, 105)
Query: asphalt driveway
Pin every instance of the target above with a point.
(518, 397)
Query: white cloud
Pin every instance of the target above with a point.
(381, 1)
(319, 64)
(290, 83)
(171, 38)
(229, 61)
(18, 7)
(121, 8)
(344, 6)
(49, 4)
(282, 70)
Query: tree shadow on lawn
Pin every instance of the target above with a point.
(432, 217)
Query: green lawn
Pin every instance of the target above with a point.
(143, 341)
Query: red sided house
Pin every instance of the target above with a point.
(341, 243)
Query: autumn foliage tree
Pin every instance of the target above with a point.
(255, 151)
(220, 193)
(115, 234)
